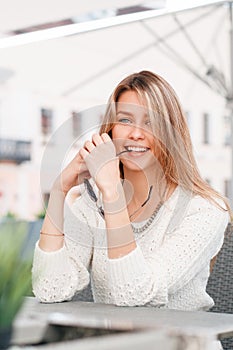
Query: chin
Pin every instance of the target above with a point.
(137, 164)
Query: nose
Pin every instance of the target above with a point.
(136, 132)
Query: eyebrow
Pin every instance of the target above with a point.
(131, 114)
(125, 112)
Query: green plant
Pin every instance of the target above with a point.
(10, 215)
(41, 214)
(15, 271)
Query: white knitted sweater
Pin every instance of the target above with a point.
(169, 267)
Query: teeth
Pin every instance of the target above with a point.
(136, 149)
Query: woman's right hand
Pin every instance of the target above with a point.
(72, 175)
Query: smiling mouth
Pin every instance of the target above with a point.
(129, 149)
(136, 149)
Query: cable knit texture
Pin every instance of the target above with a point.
(169, 267)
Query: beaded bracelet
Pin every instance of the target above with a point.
(52, 234)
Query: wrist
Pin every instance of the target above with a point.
(57, 193)
(112, 193)
(114, 200)
(57, 186)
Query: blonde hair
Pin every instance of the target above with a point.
(169, 125)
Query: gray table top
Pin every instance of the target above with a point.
(34, 317)
(148, 340)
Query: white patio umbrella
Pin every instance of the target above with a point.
(83, 64)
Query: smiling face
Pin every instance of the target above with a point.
(165, 146)
(132, 132)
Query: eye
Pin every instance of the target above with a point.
(148, 122)
(124, 121)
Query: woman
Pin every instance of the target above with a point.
(146, 223)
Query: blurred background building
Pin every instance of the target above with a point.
(62, 84)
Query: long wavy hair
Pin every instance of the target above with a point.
(174, 149)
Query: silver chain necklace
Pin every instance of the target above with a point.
(148, 222)
(143, 204)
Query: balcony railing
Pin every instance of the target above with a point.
(17, 151)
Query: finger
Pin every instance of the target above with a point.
(83, 153)
(88, 145)
(97, 139)
(82, 167)
(105, 137)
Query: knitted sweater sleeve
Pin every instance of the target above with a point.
(58, 275)
(138, 279)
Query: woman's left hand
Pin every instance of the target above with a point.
(100, 157)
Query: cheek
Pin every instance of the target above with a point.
(119, 135)
(155, 147)
(152, 142)
(114, 132)
(118, 132)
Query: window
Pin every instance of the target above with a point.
(206, 128)
(46, 121)
(76, 124)
(227, 188)
(227, 130)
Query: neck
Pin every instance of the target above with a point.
(140, 182)
(137, 186)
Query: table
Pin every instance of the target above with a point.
(33, 320)
(142, 340)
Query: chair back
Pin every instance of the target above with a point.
(220, 283)
(84, 295)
